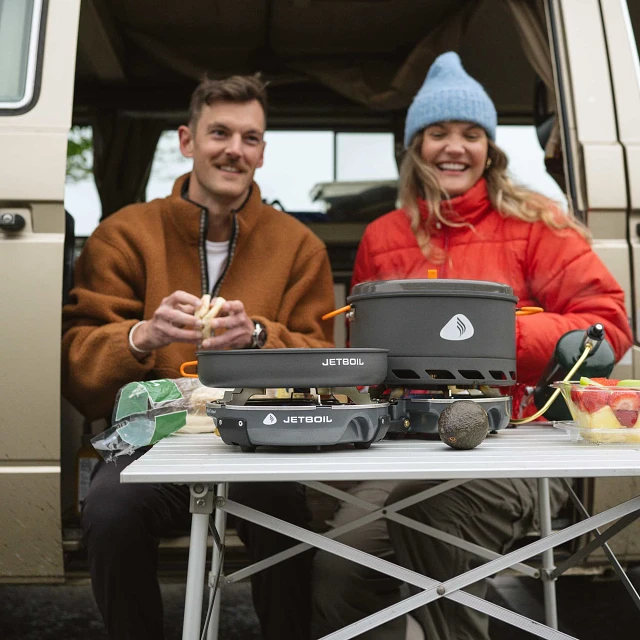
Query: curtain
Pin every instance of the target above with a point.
(391, 89)
(123, 150)
(530, 22)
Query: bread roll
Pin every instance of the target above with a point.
(198, 424)
(199, 398)
(205, 304)
(214, 310)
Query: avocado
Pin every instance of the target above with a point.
(464, 424)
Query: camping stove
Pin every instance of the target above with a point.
(448, 340)
(317, 401)
(312, 417)
(416, 411)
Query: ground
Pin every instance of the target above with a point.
(590, 609)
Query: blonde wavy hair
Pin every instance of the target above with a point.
(418, 181)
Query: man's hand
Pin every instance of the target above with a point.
(237, 324)
(172, 321)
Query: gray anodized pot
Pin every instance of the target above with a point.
(276, 368)
(456, 332)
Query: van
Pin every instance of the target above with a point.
(568, 67)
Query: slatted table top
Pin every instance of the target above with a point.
(525, 452)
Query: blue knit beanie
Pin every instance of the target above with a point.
(450, 93)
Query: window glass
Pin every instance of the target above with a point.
(294, 161)
(81, 198)
(526, 160)
(19, 28)
(365, 156)
(168, 164)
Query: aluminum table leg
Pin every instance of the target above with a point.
(217, 560)
(201, 507)
(548, 565)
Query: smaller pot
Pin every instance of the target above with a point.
(283, 368)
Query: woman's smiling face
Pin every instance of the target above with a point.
(457, 151)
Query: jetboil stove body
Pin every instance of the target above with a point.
(448, 340)
(321, 407)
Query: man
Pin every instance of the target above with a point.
(131, 317)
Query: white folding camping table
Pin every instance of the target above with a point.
(206, 464)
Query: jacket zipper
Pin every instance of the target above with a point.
(202, 249)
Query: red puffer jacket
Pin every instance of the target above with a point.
(549, 268)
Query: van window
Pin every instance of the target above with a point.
(296, 161)
(19, 36)
(365, 156)
(526, 160)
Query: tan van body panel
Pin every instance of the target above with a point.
(32, 177)
(599, 57)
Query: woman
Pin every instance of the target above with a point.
(462, 215)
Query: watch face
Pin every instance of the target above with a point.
(259, 336)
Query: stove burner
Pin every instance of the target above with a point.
(416, 411)
(419, 414)
(309, 417)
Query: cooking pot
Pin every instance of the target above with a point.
(277, 368)
(438, 332)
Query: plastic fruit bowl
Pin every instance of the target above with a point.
(603, 414)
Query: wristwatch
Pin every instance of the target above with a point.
(258, 337)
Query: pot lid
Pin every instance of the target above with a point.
(431, 287)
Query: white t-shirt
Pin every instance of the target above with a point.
(217, 254)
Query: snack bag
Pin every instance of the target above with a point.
(146, 412)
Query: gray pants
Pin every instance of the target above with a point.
(491, 513)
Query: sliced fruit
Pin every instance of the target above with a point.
(624, 400)
(583, 419)
(585, 382)
(603, 426)
(605, 382)
(593, 400)
(629, 383)
(576, 398)
(626, 417)
(604, 418)
(626, 406)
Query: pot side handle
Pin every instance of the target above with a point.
(184, 365)
(337, 312)
(528, 311)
